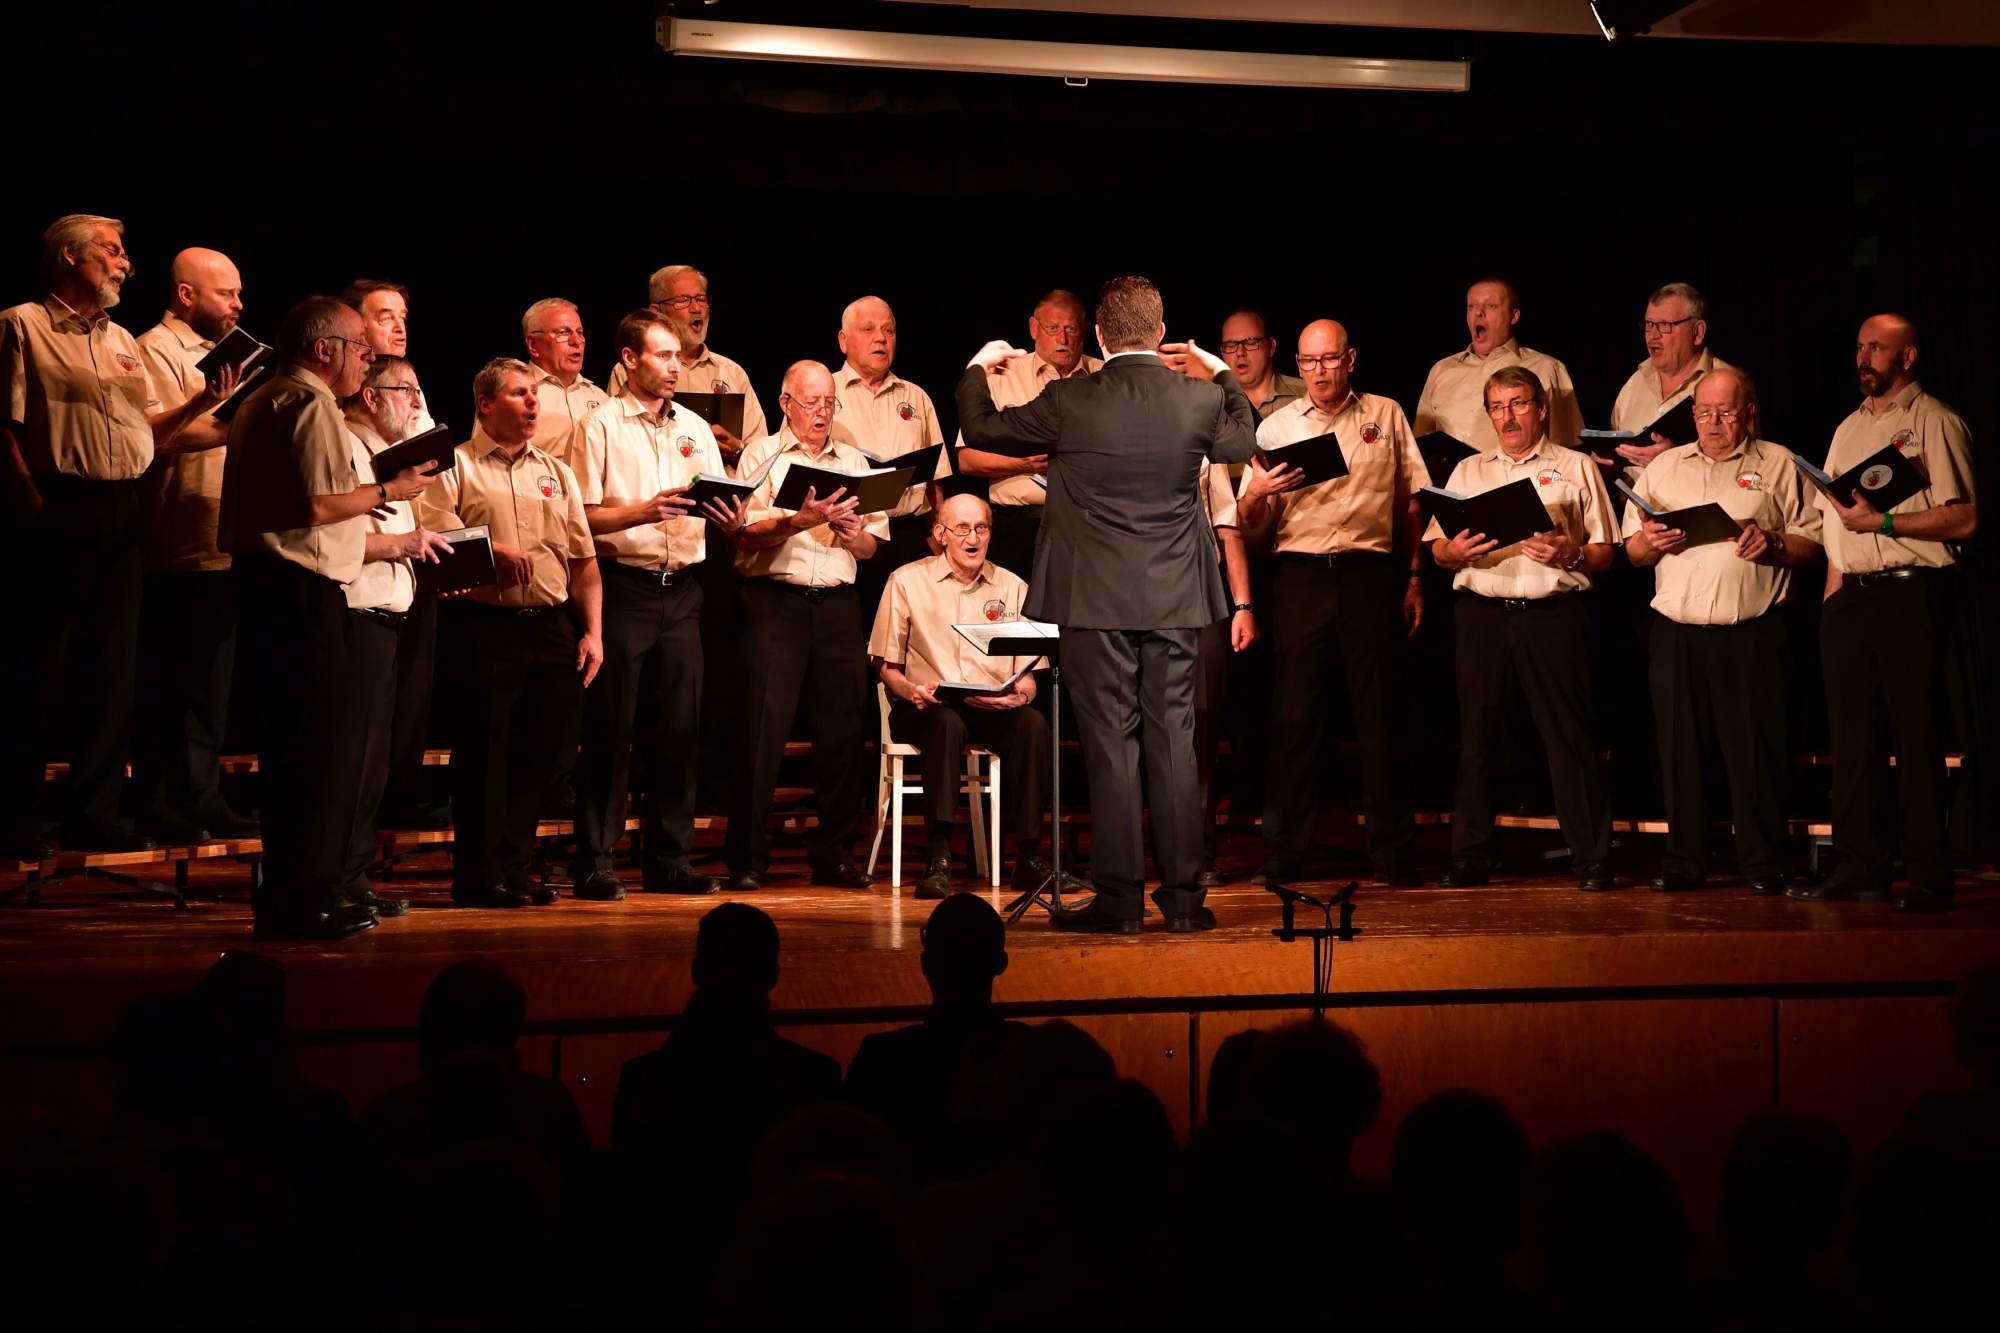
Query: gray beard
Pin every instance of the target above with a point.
(107, 296)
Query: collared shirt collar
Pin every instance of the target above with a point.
(543, 375)
(1900, 403)
(849, 377)
(1134, 352)
(788, 442)
(1045, 369)
(376, 444)
(629, 404)
(311, 381)
(1747, 449)
(945, 570)
(1337, 413)
(1541, 450)
(60, 312)
(1472, 358)
(184, 331)
(481, 444)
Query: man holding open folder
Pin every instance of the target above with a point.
(1721, 658)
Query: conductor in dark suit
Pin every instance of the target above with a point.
(1126, 565)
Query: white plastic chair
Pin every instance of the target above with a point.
(891, 787)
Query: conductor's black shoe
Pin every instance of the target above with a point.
(679, 879)
(366, 896)
(599, 886)
(26, 847)
(1673, 881)
(1833, 889)
(343, 922)
(1772, 885)
(1398, 875)
(1199, 919)
(174, 829)
(1465, 875)
(1208, 877)
(1030, 873)
(846, 876)
(1919, 898)
(1277, 870)
(1597, 877)
(493, 895)
(1091, 918)
(745, 881)
(82, 837)
(936, 882)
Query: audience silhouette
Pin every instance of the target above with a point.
(1612, 1250)
(1458, 1168)
(1784, 1188)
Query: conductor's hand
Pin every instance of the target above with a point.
(1551, 548)
(816, 511)
(1268, 481)
(993, 357)
(423, 545)
(667, 505)
(1191, 360)
(726, 514)
(1662, 538)
(589, 657)
(1467, 548)
(515, 566)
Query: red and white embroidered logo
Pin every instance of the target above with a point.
(685, 444)
(547, 486)
(720, 386)
(1904, 439)
(127, 363)
(1549, 476)
(906, 412)
(1751, 481)
(995, 610)
(1370, 433)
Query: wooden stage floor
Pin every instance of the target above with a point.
(1669, 1018)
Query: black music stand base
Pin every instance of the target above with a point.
(1048, 894)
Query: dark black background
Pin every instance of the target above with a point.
(493, 154)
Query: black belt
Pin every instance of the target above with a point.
(508, 612)
(813, 595)
(393, 619)
(1337, 557)
(1520, 603)
(651, 578)
(1899, 574)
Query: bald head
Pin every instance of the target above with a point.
(1326, 363)
(868, 337)
(1725, 411)
(806, 398)
(1885, 355)
(964, 528)
(207, 292)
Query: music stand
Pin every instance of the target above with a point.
(1033, 638)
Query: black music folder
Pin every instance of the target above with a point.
(254, 362)
(1442, 454)
(1885, 479)
(1703, 524)
(1676, 424)
(717, 409)
(707, 486)
(469, 565)
(879, 489)
(1507, 514)
(953, 690)
(924, 462)
(1318, 456)
(432, 446)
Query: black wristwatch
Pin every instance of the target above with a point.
(1241, 606)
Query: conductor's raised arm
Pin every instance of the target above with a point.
(1017, 432)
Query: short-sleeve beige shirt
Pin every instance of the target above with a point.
(183, 492)
(530, 503)
(813, 558)
(1712, 585)
(1023, 382)
(1285, 390)
(382, 585)
(1573, 493)
(76, 392)
(711, 372)
(1454, 396)
(1356, 512)
(1930, 435)
(624, 455)
(563, 413)
(288, 444)
(1640, 402)
(924, 599)
(892, 419)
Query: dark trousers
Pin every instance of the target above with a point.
(1346, 611)
(721, 585)
(1721, 689)
(810, 643)
(1250, 685)
(1883, 647)
(1012, 547)
(644, 708)
(515, 701)
(1545, 647)
(1133, 691)
(1020, 736)
(1211, 710)
(314, 668)
(187, 653)
(71, 651)
(410, 727)
(374, 651)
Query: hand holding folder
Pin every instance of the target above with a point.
(1699, 525)
(1884, 479)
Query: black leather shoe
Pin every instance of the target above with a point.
(598, 886)
(1597, 877)
(841, 877)
(1030, 873)
(1771, 886)
(1208, 877)
(26, 847)
(1833, 890)
(1089, 918)
(1277, 871)
(102, 838)
(365, 896)
(1199, 919)
(1401, 875)
(745, 881)
(1465, 875)
(541, 895)
(341, 923)
(174, 830)
(680, 879)
(493, 895)
(936, 882)
(1917, 898)
(1673, 881)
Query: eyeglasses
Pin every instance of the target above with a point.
(564, 335)
(965, 530)
(367, 353)
(1663, 325)
(1520, 407)
(399, 388)
(813, 405)
(1237, 346)
(1330, 360)
(112, 251)
(683, 302)
(1705, 416)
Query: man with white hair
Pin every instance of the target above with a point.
(681, 290)
(555, 334)
(80, 429)
(1677, 358)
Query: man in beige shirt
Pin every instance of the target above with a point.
(637, 455)
(681, 291)
(1518, 619)
(1016, 487)
(1720, 663)
(555, 335)
(1677, 359)
(914, 647)
(1886, 627)
(294, 519)
(802, 634)
(80, 428)
(1250, 351)
(384, 308)
(1347, 591)
(1453, 399)
(520, 652)
(187, 627)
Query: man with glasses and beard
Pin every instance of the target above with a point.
(914, 647)
(80, 430)
(555, 335)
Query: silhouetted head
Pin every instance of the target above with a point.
(470, 1096)
(475, 1004)
(157, 1054)
(828, 1138)
(1116, 1198)
(1245, 1199)
(1459, 1165)
(1612, 1248)
(242, 999)
(1313, 1078)
(1784, 1187)
(736, 950)
(965, 948)
(1975, 1023)
(1037, 1070)
(826, 1254)
(1227, 1072)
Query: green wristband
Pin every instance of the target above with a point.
(1888, 528)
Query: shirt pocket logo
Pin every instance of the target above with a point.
(1904, 439)
(1370, 433)
(547, 486)
(1550, 476)
(685, 443)
(906, 412)
(128, 364)
(1751, 481)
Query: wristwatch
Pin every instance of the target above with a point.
(1241, 606)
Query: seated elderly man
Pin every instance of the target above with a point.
(914, 648)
